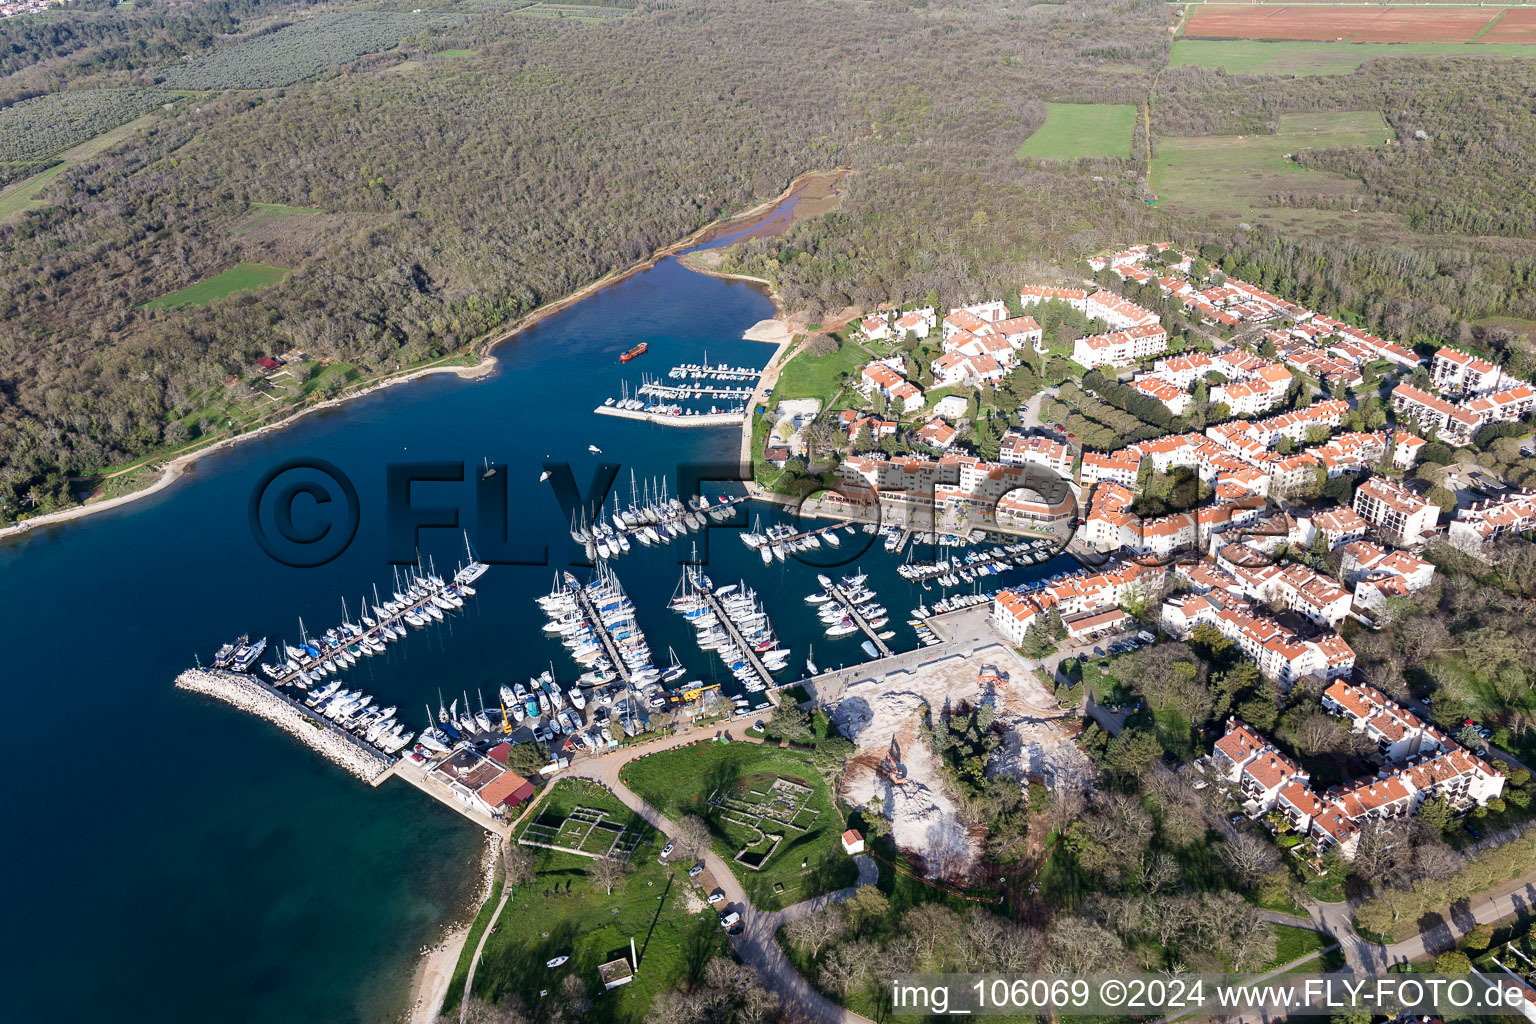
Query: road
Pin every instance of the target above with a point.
(756, 945)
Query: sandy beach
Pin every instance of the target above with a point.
(430, 986)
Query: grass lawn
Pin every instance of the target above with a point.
(1294, 943)
(1325, 963)
(1076, 130)
(807, 376)
(476, 929)
(680, 782)
(454, 53)
(1258, 57)
(1233, 177)
(242, 277)
(564, 914)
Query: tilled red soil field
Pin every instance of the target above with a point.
(1514, 27)
(1356, 24)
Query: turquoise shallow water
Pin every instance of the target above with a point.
(171, 858)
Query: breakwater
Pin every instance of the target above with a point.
(247, 694)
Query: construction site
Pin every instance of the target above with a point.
(883, 707)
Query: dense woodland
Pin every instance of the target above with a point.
(455, 193)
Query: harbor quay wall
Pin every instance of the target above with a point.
(245, 693)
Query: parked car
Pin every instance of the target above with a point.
(729, 918)
(718, 896)
(666, 851)
(696, 871)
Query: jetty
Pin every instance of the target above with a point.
(741, 642)
(835, 591)
(610, 648)
(263, 700)
(704, 371)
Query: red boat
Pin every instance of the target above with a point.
(638, 350)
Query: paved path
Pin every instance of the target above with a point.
(756, 945)
(469, 980)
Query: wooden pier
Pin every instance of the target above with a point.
(667, 419)
(858, 620)
(612, 648)
(741, 642)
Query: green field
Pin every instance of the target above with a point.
(454, 53)
(242, 277)
(278, 209)
(1259, 57)
(1076, 130)
(680, 782)
(1236, 177)
(564, 914)
(1293, 943)
(807, 376)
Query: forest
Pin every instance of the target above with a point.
(446, 196)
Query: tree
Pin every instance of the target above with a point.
(516, 864)
(1453, 961)
(1250, 858)
(1436, 815)
(607, 872)
(526, 759)
(865, 907)
(821, 344)
(814, 932)
(692, 835)
(1479, 938)
(790, 722)
(1443, 498)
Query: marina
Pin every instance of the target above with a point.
(850, 606)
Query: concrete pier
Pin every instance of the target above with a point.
(738, 639)
(858, 620)
(609, 646)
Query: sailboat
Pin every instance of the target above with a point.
(594, 449)
(810, 664)
(544, 476)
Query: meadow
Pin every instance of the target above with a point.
(1073, 131)
(242, 277)
(683, 781)
(563, 913)
(1232, 178)
(1262, 57)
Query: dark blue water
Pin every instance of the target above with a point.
(170, 857)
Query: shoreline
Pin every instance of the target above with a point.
(433, 975)
(486, 365)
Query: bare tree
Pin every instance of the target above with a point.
(815, 932)
(1152, 871)
(1249, 857)
(516, 864)
(692, 835)
(607, 872)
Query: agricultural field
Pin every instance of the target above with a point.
(1354, 24)
(726, 783)
(299, 51)
(1073, 131)
(46, 126)
(1514, 27)
(1260, 57)
(564, 913)
(242, 277)
(1233, 178)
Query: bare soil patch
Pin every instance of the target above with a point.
(1356, 24)
(1514, 27)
